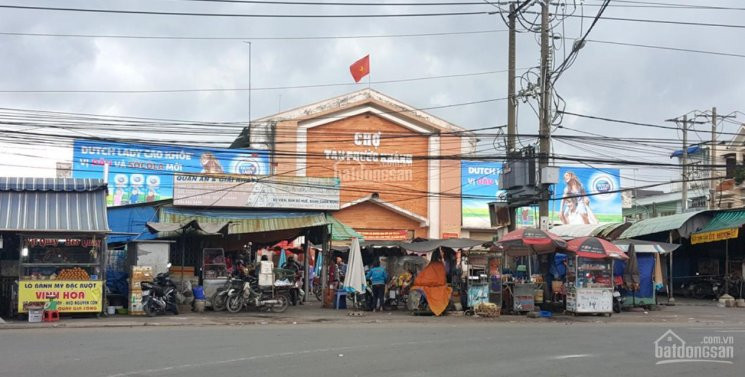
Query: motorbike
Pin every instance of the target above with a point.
(317, 289)
(618, 299)
(251, 294)
(159, 295)
(220, 297)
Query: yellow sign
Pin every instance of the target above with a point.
(717, 235)
(70, 296)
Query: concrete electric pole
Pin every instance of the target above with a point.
(684, 193)
(511, 99)
(545, 108)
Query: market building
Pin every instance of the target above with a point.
(399, 168)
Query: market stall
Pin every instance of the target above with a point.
(483, 278)
(589, 279)
(524, 288)
(54, 236)
(649, 263)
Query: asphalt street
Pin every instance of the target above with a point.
(377, 349)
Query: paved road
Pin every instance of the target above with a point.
(381, 349)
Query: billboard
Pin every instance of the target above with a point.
(140, 173)
(587, 196)
(237, 191)
(479, 186)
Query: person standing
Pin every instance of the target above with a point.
(378, 277)
(294, 266)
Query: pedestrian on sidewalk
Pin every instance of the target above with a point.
(378, 277)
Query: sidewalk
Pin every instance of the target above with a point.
(685, 312)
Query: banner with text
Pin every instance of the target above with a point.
(479, 186)
(236, 191)
(71, 296)
(140, 173)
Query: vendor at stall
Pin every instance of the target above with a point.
(378, 277)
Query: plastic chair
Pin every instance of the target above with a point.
(340, 293)
(51, 316)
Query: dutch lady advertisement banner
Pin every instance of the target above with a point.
(587, 196)
(140, 173)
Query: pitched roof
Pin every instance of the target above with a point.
(355, 99)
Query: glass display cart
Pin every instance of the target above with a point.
(214, 271)
(589, 285)
(65, 270)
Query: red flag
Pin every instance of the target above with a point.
(360, 68)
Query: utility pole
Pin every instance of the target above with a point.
(713, 159)
(511, 100)
(685, 163)
(545, 108)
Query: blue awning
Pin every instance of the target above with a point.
(131, 219)
(693, 149)
(53, 205)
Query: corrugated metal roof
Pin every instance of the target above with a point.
(245, 221)
(660, 224)
(725, 220)
(341, 231)
(50, 184)
(577, 230)
(53, 205)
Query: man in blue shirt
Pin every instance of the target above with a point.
(377, 276)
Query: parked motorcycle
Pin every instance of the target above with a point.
(251, 294)
(219, 299)
(317, 289)
(618, 299)
(159, 296)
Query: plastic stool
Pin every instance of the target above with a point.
(51, 316)
(341, 304)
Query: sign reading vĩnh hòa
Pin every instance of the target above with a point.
(140, 173)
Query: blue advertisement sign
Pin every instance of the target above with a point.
(479, 186)
(140, 173)
(587, 196)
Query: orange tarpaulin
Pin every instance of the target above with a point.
(432, 280)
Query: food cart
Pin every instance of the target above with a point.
(65, 270)
(214, 271)
(484, 279)
(589, 285)
(589, 281)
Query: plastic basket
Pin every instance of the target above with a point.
(282, 274)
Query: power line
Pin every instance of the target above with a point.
(253, 38)
(253, 89)
(239, 15)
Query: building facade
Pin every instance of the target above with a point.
(399, 168)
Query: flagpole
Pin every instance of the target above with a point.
(369, 73)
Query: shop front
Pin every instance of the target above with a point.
(53, 244)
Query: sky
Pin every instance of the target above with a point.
(629, 83)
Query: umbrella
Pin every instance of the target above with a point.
(595, 248)
(319, 264)
(529, 241)
(282, 259)
(631, 273)
(354, 280)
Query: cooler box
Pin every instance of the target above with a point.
(266, 267)
(266, 279)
